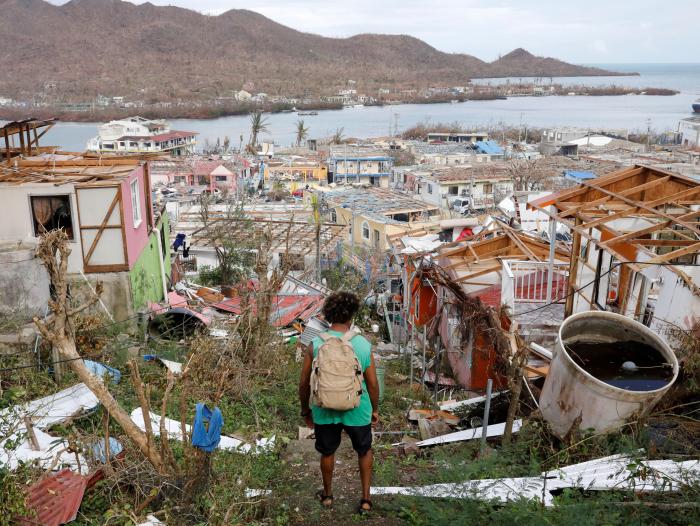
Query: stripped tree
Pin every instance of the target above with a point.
(53, 251)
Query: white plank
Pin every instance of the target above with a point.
(470, 434)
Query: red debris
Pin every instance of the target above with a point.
(54, 500)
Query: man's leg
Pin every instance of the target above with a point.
(327, 465)
(327, 441)
(365, 462)
(361, 437)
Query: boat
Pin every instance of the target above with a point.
(696, 106)
(304, 113)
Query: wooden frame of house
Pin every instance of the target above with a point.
(634, 231)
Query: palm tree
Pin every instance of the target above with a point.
(338, 136)
(258, 125)
(302, 132)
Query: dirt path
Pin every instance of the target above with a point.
(302, 479)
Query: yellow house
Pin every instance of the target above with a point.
(309, 172)
(374, 214)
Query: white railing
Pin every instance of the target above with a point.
(526, 282)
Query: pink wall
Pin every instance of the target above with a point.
(136, 238)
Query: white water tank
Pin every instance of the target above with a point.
(572, 396)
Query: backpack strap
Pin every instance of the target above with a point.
(349, 335)
(325, 336)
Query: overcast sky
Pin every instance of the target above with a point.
(594, 31)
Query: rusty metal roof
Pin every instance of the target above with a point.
(54, 500)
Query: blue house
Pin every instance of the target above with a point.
(359, 165)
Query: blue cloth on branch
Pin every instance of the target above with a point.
(207, 438)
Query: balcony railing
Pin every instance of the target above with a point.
(527, 282)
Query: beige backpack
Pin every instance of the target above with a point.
(336, 374)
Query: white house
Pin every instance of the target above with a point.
(689, 130)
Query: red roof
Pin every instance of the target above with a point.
(285, 308)
(55, 499)
(172, 135)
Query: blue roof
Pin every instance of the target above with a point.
(490, 147)
(578, 175)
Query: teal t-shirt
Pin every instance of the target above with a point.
(362, 414)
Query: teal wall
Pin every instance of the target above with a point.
(146, 282)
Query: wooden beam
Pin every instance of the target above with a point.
(573, 272)
(628, 191)
(676, 253)
(664, 242)
(648, 230)
(98, 236)
(477, 274)
(677, 220)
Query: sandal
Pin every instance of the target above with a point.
(361, 509)
(325, 500)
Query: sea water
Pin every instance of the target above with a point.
(625, 112)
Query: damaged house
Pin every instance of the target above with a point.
(635, 247)
(105, 208)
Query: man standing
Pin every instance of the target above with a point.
(328, 424)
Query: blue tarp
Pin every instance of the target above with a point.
(100, 370)
(99, 450)
(490, 147)
(577, 175)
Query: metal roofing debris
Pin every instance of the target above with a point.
(470, 434)
(285, 309)
(57, 408)
(449, 405)
(417, 245)
(151, 520)
(52, 452)
(579, 175)
(174, 430)
(173, 367)
(379, 203)
(313, 329)
(55, 499)
(618, 472)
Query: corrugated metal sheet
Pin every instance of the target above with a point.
(55, 500)
(285, 308)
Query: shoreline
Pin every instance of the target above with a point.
(213, 111)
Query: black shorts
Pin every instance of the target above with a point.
(328, 437)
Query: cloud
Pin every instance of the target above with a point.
(600, 46)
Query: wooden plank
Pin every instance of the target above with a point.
(477, 274)
(664, 242)
(676, 220)
(648, 230)
(96, 269)
(125, 252)
(628, 191)
(98, 236)
(536, 371)
(675, 254)
(573, 272)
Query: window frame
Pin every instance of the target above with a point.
(365, 228)
(136, 217)
(34, 221)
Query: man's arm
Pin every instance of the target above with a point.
(305, 385)
(372, 388)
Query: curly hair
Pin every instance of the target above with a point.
(340, 307)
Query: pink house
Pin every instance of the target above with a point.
(214, 174)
